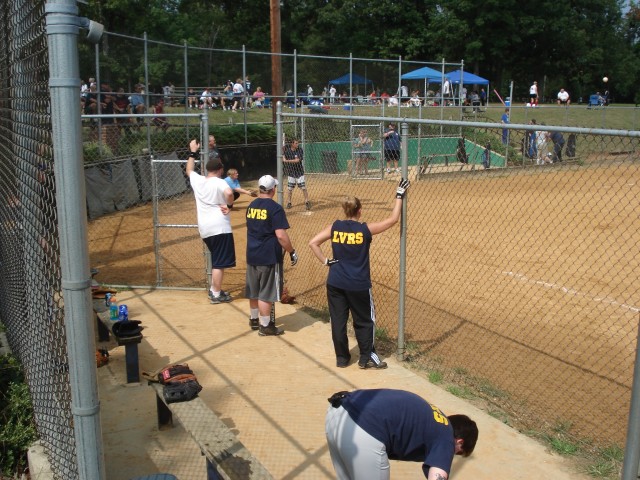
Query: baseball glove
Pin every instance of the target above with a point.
(102, 357)
(181, 390)
(175, 372)
(285, 297)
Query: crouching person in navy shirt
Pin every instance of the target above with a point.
(366, 428)
(349, 279)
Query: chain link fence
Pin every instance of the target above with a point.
(31, 304)
(521, 261)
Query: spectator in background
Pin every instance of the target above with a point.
(475, 100)
(541, 147)
(121, 106)
(505, 131)
(563, 98)
(483, 97)
(238, 95)
(533, 94)
(258, 98)
(332, 94)
(160, 121)
(362, 146)
(391, 140)
(91, 100)
(558, 144)
(192, 98)
(137, 102)
(206, 100)
(384, 97)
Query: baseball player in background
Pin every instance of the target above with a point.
(293, 165)
(349, 279)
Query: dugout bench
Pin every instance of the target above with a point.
(105, 329)
(227, 458)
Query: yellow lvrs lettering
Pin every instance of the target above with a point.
(438, 416)
(348, 237)
(257, 213)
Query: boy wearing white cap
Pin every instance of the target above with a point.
(266, 238)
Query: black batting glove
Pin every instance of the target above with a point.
(330, 261)
(294, 258)
(402, 188)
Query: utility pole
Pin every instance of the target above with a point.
(276, 60)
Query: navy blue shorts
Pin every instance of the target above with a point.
(223, 250)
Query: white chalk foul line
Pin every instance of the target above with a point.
(571, 291)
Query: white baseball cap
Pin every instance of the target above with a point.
(267, 182)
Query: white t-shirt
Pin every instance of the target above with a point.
(209, 194)
(446, 88)
(563, 96)
(533, 89)
(238, 88)
(332, 91)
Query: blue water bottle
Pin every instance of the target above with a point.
(123, 313)
(113, 308)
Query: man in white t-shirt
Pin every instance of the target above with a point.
(214, 199)
(332, 94)
(563, 98)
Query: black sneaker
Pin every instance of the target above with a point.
(269, 330)
(288, 205)
(223, 295)
(254, 323)
(308, 205)
(222, 298)
(371, 364)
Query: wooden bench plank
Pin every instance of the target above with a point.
(227, 457)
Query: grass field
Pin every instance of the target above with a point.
(617, 117)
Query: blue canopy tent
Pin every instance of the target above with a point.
(347, 79)
(424, 73)
(429, 75)
(460, 77)
(467, 78)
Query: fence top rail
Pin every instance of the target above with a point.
(460, 123)
(283, 54)
(143, 115)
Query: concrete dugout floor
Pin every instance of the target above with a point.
(272, 392)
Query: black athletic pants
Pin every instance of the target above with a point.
(360, 304)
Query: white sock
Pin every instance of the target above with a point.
(254, 312)
(215, 294)
(264, 320)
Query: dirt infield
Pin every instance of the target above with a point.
(519, 282)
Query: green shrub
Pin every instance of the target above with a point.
(17, 430)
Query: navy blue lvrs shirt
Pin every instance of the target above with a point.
(410, 428)
(264, 217)
(350, 242)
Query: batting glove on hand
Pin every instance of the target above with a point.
(330, 261)
(402, 188)
(294, 258)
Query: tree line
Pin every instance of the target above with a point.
(571, 45)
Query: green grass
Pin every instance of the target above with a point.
(461, 392)
(619, 117)
(436, 377)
